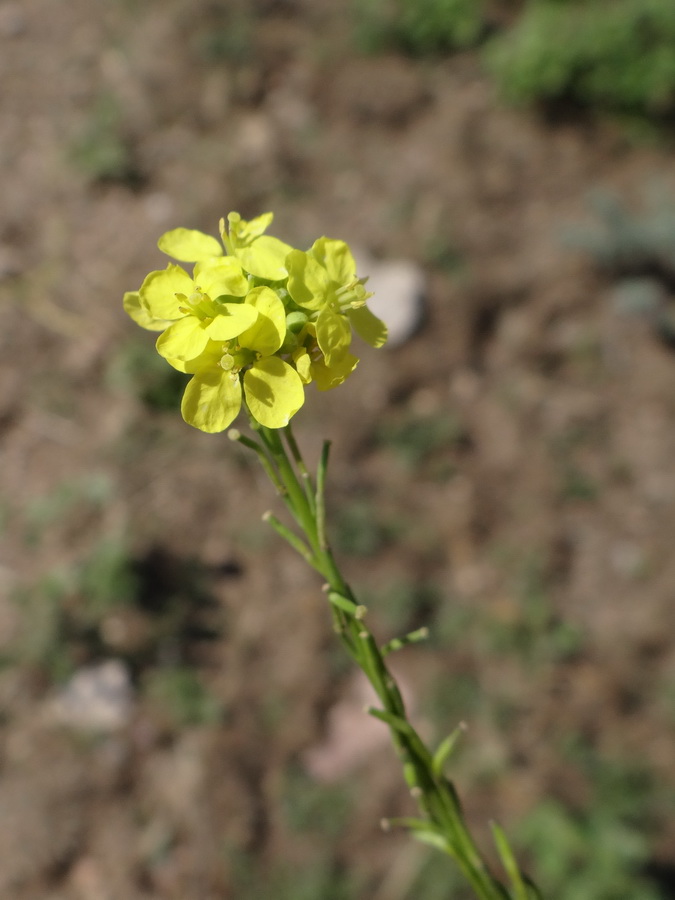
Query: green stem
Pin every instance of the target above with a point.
(302, 468)
(295, 496)
(435, 794)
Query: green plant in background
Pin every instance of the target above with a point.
(418, 27)
(227, 35)
(314, 877)
(308, 805)
(625, 241)
(137, 369)
(424, 443)
(255, 323)
(613, 55)
(360, 530)
(40, 641)
(107, 578)
(406, 603)
(65, 609)
(84, 495)
(101, 150)
(316, 813)
(600, 852)
(181, 695)
(153, 611)
(637, 249)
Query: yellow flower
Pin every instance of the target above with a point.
(272, 388)
(324, 282)
(259, 254)
(192, 311)
(256, 320)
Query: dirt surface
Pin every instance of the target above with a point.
(505, 476)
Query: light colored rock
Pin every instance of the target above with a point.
(97, 698)
(399, 291)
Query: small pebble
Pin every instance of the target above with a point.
(399, 291)
(97, 698)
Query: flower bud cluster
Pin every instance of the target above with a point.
(255, 322)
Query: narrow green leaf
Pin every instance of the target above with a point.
(413, 637)
(321, 495)
(434, 840)
(342, 603)
(305, 477)
(296, 543)
(509, 863)
(442, 755)
(393, 721)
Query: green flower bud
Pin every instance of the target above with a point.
(295, 321)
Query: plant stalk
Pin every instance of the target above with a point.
(443, 824)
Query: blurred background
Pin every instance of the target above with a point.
(176, 718)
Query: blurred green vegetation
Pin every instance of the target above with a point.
(360, 529)
(533, 632)
(525, 625)
(310, 807)
(436, 880)
(180, 694)
(574, 482)
(629, 240)
(423, 443)
(404, 604)
(225, 34)
(315, 816)
(602, 851)
(418, 27)
(137, 369)
(319, 876)
(102, 150)
(154, 611)
(614, 55)
(634, 244)
(84, 495)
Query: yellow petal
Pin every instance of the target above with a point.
(327, 378)
(209, 358)
(265, 258)
(336, 258)
(185, 339)
(307, 280)
(368, 326)
(189, 245)
(334, 335)
(221, 276)
(245, 231)
(212, 400)
(158, 292)
(267, 334)
(274, 392)
(132, 306)
(303, 364)
(231, 321)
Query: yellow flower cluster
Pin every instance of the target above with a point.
(255, 322)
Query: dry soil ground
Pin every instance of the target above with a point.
(506, 475)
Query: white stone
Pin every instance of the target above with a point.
(399, 291)
(97, 698)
